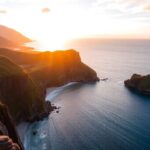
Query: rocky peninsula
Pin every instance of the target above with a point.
(51, 69)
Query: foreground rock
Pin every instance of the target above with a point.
(7, 126)
(25, 100)
(139, 83)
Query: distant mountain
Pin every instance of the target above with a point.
(12, 35)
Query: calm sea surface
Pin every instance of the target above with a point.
(102, 116)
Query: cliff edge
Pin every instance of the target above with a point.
(62, 67)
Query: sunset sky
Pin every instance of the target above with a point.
(60, 20)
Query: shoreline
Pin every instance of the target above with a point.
(23, 127)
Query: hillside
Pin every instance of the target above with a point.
(18, 91)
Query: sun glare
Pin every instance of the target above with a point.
(53, 30)
(62, 23)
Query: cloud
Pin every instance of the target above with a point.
(122, 7)
(46, 10)
(3, 11)
(147, 7)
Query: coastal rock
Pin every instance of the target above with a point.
(19, 92)
(7, 127)
(139, 83)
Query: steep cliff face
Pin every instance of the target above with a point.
(139, 83)
(17, 90)
(8, 126)
(62, 67)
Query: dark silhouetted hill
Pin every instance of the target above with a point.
(25, 100)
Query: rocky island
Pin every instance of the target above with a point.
(139, 83)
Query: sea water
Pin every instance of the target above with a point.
(101, 116)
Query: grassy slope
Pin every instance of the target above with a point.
(19, 91)
(8, 68)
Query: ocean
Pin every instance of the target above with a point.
(101, 116)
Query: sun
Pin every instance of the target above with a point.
(51, 43)
(52, 31)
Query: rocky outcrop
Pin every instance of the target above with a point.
(139, 83)
(7, 126)
(19, 92)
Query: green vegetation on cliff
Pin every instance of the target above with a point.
(8, 68)
(18, 91)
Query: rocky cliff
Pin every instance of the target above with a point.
(61, 67)
(18, 91)
(9, 126)
(139, 83)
